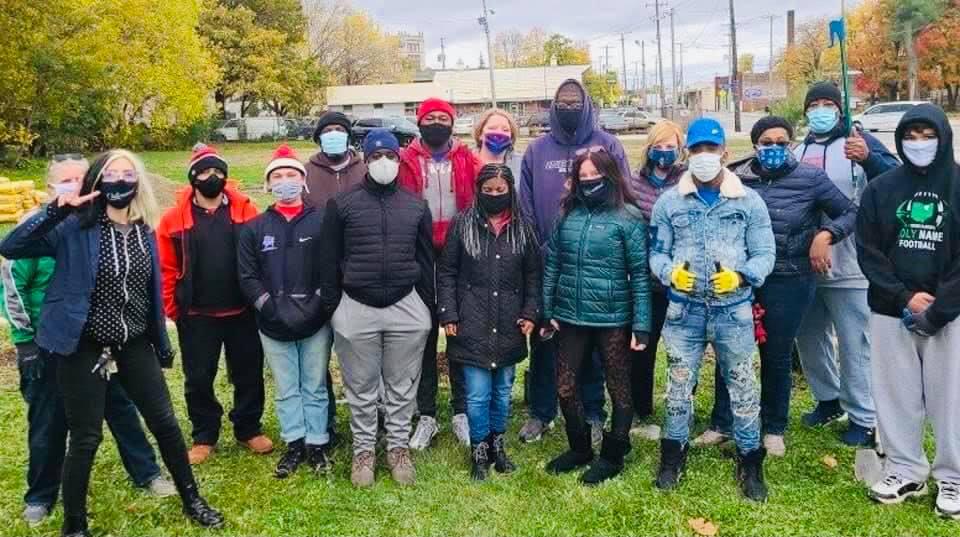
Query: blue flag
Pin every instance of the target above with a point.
(838, 31)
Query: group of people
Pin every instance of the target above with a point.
(564, 252)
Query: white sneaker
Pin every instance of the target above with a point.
(948, 499)
(426, 430)
(774, 445)
(161, 487)
(646, 432)
(461, 429)
(533, 430)
(895, 489)
(34, 515)
(710, 438)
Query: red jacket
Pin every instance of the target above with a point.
(172, 243)
(465, 168)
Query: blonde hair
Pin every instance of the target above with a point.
(485, 117)
(53, 169)
(663, 131)
(144, 206)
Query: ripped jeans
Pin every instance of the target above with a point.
(688, 328)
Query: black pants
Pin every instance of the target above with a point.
(84, 400)
(429, 380)
(644, 362)
(575, 344)
(201, 340)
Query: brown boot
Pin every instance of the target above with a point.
(199, 453)
(362, 473)
(401, 466)
(260, 444)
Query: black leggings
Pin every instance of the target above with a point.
(575, 343)
(84, 399)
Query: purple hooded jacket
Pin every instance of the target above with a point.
(547, 161)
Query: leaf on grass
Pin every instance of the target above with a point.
(829, 461)
(703, 527)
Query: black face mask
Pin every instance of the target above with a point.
(212, 187)
(436, 134)
(569, 119)
(594, 192)
(494, 204)
(119, 194)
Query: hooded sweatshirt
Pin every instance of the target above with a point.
(908, 228)
(547, 161)
(326, 179)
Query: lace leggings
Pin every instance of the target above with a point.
(576, 343)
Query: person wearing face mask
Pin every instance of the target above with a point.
(103, 319)
(440, 169)
(378, 283)
(543, 184)
(908, 245)
(596, 297)
(488, 290)
(280, 279)
(495, 134)
(201, 293)
(661, 165)
(712, 245)
(809, 214)
(834, 339)
(24, 284)
(337, 167)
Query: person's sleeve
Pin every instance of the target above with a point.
(37, 236)
(249, 269)
(448, 270)
(427, 286)
(636, 250)
(761, 245)
(880, 158)
(18, 282)
(871, 253)
(841, 210)
(661, 244)
(532, 281)
(527, 201)
(551, 273)
(617, 152)
(331, 256)
(169, 269)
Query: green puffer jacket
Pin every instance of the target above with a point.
(24, 286)
(596, 272)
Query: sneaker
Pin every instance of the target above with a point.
(35, 514)
(423, 436)
(533, 430)
(857, 435)
(199, 453)
(596, 433)
(361, 474)
(948, 499)
(161, 487)
(319, 459)
(895, 489)
(824, 413)
(295, 456)
(260, 444)
(461, 429)
(647, 431)
(401, 466)
(710, 438)
(774, 445)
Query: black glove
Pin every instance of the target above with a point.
(643, 338)
(922, 326)
(30, 360)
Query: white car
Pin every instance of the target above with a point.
(885, 116)
(463, 126)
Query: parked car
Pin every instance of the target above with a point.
(639, 120)
(539, 123)
(612, 121)
(463, 126)
(305, 128)
(403, 129)
(885, 116)
(251, 129)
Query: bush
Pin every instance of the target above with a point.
(790, 107)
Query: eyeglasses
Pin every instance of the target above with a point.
(110, 176)
(591, 149)
(63, 157)
(569, 106)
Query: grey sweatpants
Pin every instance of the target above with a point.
(381, 345)
(917, 378)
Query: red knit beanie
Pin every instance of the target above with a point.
(435, 104)
(284, 157)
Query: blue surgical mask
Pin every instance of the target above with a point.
(497, 142)
(286, 191)
(662, 157)
(334, 142)
(772, 157)
(822, 119)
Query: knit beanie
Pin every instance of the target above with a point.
(769, 122)
(378, 139)
(284, 157)
(823, 90)
(204, 157)
(435, 104)
(331, 118)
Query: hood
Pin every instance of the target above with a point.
(322, 160)
(418, 148)
(588, 118)
(935, 117)
(730, 188)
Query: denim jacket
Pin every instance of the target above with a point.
(736, 232)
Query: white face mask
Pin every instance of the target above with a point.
(65, 189)
(705, 167)
(384, 170)
(921, 152)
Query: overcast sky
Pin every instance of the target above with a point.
(701, 26)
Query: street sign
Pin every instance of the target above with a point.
(753, 93)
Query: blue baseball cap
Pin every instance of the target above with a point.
(378, 139)
(705, 131)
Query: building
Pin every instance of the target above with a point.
(413, 49)
(523, 91)
(756, 92)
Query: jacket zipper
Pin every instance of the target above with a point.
(383, 238)
(583, 238)
(126, 292)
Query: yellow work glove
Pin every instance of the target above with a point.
(682, 279)
(725, 280)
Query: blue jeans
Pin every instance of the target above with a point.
(47, 434)
(688, 328)
(785, 299)
(543, 383)
(300, 373)
(488, 400)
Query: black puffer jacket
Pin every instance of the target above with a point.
(797, 197)
(377, 247)
(486, 295)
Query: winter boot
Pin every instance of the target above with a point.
(750, 474)
(480, 458)
(673, 460)
(580, 452)
(501, 463)
(197, 509)
(610, 462)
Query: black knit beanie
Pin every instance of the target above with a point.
(769, 122)
(331, 118)
(823, 90)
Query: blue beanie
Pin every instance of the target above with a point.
(378, 139)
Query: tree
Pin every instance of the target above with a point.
(810, 58)
(507, 49)
(938, 46)
(745, 63)
(910, 18)
(565, 51)
(878, 60)
(603, 88)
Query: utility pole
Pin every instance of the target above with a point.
(680, 78)
(623, 58)
(662, 93)
(485, 22)
(734, 83)
(443, 53)
(771, 18)
(606, 59)
(673, 59)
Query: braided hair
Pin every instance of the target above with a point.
(518, 232)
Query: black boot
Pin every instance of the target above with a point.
(74, 526)
(296, 454)
(198, 510)
(501, 463)
(318, 458)
(580, 452)
(673, 459)
(610, 462)
(750, 474)
(480, 457)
